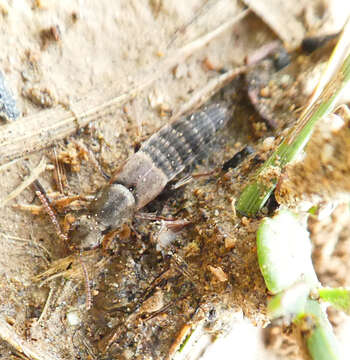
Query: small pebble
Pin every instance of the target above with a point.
(265, 92)
(284, 81)
(230, 242)
(327, 154)
(180, 71)
(73, 318)
(268, 143)
(218, 273)
(42, 97)
(8, 109)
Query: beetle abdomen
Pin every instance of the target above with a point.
(177, 144)
(166, 153)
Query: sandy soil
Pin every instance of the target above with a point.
(66, 57)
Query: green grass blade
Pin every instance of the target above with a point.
(254, 195)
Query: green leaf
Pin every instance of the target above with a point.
(284, 252)
(289, 302)
(317, 332)
(338, 297)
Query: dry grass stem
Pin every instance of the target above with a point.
(29, 180)
(41, 130)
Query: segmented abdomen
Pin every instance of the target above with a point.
(177, 144)
(145, 174)
(166, 153)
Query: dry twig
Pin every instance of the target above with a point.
(36, 132)
(32, 351)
